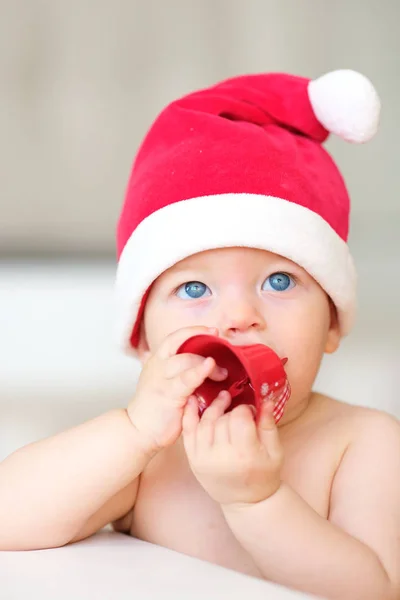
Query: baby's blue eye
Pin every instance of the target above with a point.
(278, 282)
(193, 289)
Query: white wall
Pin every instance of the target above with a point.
(81, 80)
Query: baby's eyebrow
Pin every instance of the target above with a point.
(187, 272)
(178, 277)
(284, 264)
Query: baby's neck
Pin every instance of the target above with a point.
(297, 412)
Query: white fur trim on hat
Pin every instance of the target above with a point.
(346, 103)
(224, 220)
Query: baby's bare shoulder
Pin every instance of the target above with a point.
(370, 428)
(362, 434)
(355, 421)
(339, 427)
(365, 490)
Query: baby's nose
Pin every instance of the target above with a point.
(240, 316)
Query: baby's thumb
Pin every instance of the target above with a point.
(267, 429)
(266, 419)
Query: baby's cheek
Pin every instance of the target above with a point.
(304, 358)
(302, 372)
(162, 323)
(155, 331)
(191, 315)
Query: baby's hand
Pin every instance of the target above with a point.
(166, 382)
(235, 459)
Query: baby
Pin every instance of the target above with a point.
(235, 224)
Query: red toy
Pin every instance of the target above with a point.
(255, 373)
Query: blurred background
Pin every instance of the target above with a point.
(80, 83)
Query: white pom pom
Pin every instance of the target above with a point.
(347, 104)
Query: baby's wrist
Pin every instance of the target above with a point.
(143, 443)
(248, 503)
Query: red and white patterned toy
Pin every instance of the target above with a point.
(255, 373)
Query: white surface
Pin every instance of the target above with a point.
(111, 566)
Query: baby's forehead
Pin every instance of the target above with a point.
(236, 258)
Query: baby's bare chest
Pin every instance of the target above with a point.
(174, 511)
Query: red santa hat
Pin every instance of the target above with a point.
(242, 164)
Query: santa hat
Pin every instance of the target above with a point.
(242, 164)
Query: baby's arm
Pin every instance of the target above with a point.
(356, 554)
(66, 487)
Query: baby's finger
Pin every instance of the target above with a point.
(221, 431)
(268, 431)
(218, 373)
(184, 384)
(217, 407)
(205, 432)
(242, 427)
(172, 343)
(190, 423)
(181, 362)
(191, 418)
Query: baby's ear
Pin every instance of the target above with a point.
(143, 349)
(333, 337)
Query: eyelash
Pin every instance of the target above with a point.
(294, 278)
